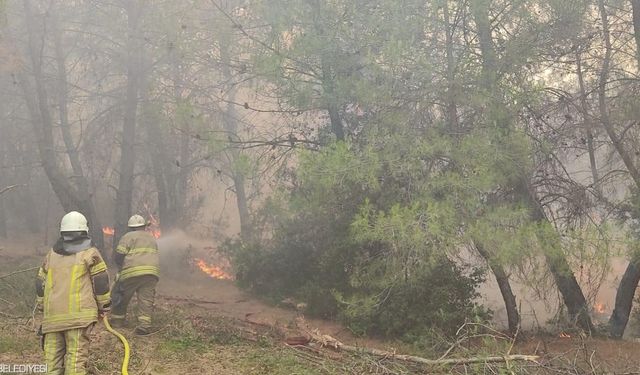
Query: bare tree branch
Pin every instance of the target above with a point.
(11, 187)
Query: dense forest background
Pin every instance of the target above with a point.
(375, 159)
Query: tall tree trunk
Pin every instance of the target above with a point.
(563, 275)
(160, 163)
(635, 6)
(337, 127)
(602, 94)
(32, 219)
(629, 281)
(566, 282)
(37, 102)
(502, 278)
(170, 169)
(588, 124)
(84, 195)
(230, 121)
(124, 195)
(183, 169)
(38, 108)
(328, 77)
(452, 108)
(624, 299)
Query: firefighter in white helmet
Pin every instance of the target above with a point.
(72, 290)
(139, 270)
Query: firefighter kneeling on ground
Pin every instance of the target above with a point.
(139, 267)
(73, 291)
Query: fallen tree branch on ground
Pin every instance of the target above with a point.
(328, 341)
(6, 189)
(189, 300)
(17, 272)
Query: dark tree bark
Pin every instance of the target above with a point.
(82, 185)
(170, 168)
(452, 108)
(328, 78)
(635, 6)
(124, 195)
(337, 127)
(629, 281)
(566, 282)
(161, 166)
(183, 170)
(30, 216)
(563, 275)
(502, 278)
(588, 124)
(38, 104)
(602, 93)
(230, 122)
(624, 299)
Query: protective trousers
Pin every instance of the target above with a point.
(66, 351)
(145, 288)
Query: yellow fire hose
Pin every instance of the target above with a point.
(125, 343)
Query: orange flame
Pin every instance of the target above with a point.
(564, 335)
(108, 231)
(154, 223)
(155, 233)
(212, 270)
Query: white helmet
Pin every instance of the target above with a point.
(74, 222)
(136, 221)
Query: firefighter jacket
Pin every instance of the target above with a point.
(72, 287)
(137, 255)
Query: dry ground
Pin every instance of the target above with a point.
(209, 326)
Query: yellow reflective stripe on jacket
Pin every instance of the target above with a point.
(72, 290)
(75, 289)
(79, 272)
(97, 268)
(139, 271)
(142, 250)
(137, 250)
(87, 314)
(49, 285)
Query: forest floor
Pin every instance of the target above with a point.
(209, 326)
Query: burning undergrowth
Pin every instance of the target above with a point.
(183, 256)
(212, 270)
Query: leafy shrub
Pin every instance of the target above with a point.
(441, 299)
(365, 235)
